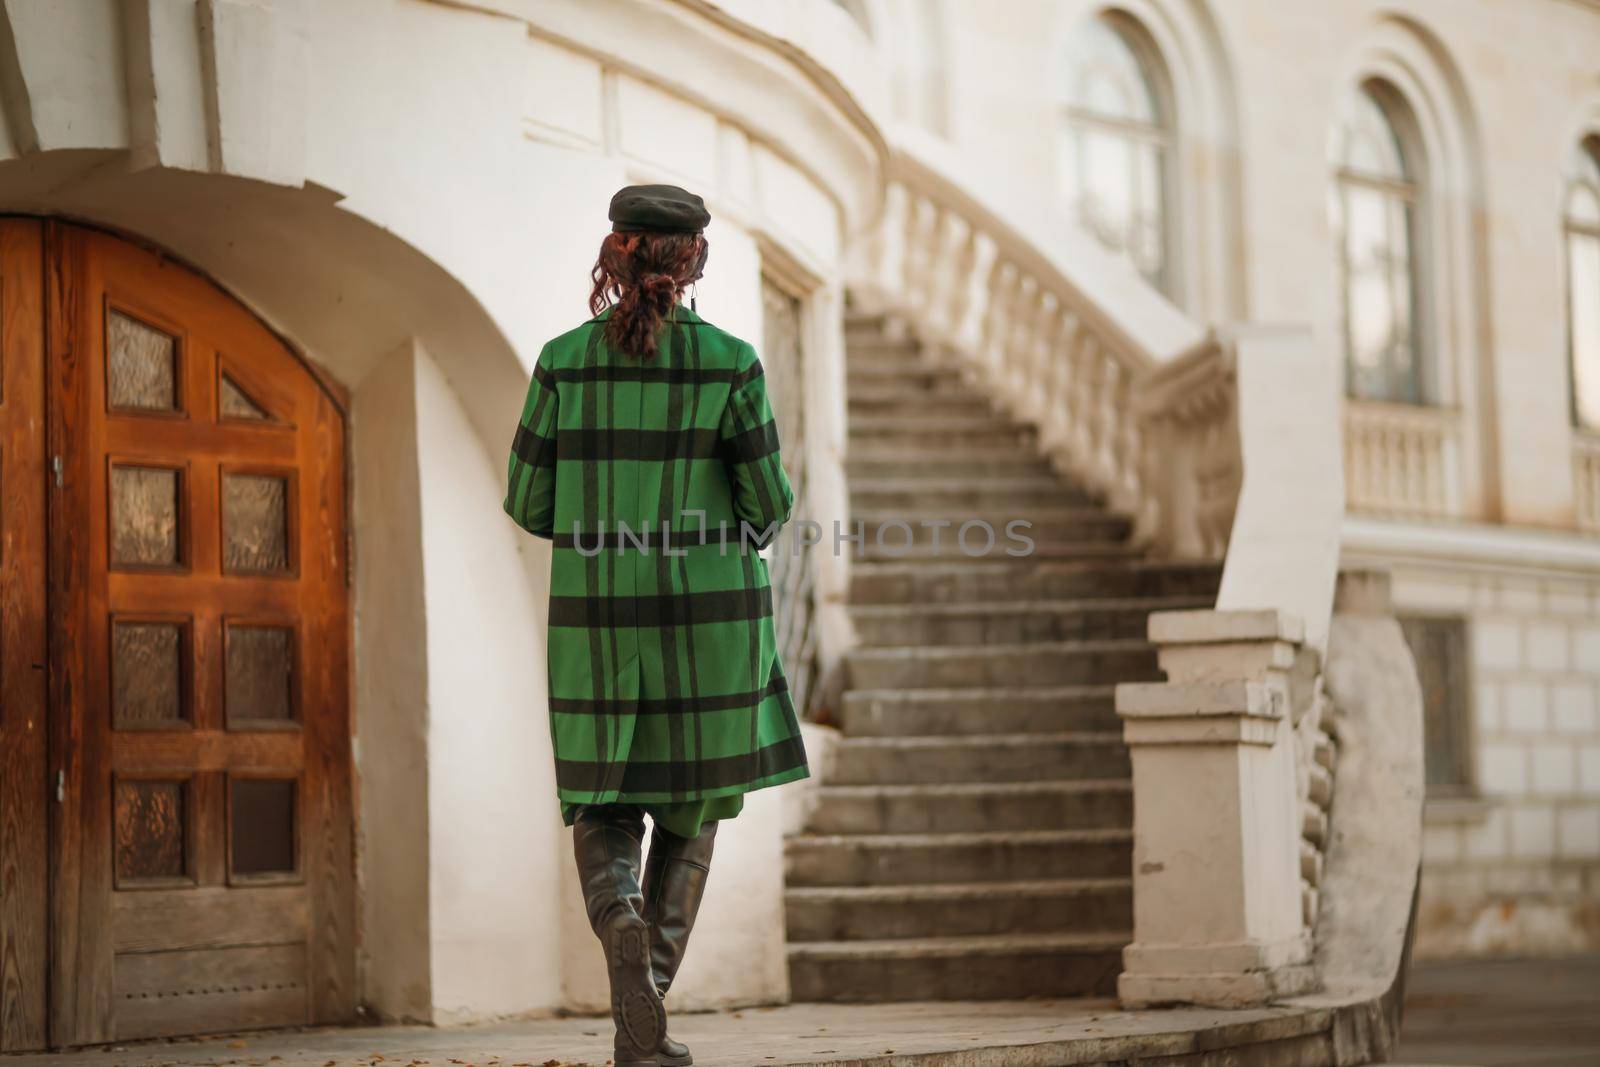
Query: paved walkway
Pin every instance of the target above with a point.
(1531, 1013)
(960, 1034)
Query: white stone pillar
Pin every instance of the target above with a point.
(1216, 880)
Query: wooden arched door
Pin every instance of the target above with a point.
(198, 772)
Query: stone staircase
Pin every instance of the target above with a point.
(973, 837)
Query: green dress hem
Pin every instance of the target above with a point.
(683, 818)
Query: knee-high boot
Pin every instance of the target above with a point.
(674, 881)
(607, 839)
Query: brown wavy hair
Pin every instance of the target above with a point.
(643, 273)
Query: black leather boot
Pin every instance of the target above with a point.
(674, 881)
(607, 839)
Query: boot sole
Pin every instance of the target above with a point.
(636, 1008)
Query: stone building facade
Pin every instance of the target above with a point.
(1475, 490)
(335, 235)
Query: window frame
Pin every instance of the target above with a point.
(1463, 780)
(1570, 228)
(1415, 193)
(1163, 133)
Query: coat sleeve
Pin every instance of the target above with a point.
(762, 496)
(531, 473)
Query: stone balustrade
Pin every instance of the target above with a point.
(1403, 460)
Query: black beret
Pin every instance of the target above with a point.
(666, 208)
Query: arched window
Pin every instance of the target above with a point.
(1377, 204)
(1582, 226)
(1117, 144)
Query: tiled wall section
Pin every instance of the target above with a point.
(1518, 869)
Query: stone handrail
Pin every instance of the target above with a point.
(1219, 444)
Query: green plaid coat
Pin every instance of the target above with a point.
(665, 683)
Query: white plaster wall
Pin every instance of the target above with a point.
(492, 830)
(390, 727)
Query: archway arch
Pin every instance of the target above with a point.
(343, 290)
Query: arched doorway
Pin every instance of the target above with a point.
(175, 505)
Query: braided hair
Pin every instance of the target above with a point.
(643, 273)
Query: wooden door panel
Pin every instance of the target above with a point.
(224, 988)
(246, 443)
(24, 846)
(165, 921)
(210, 751)
(201, 697)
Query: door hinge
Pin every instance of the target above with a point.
(61, 787)
(57, 467)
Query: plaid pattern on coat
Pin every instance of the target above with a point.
(665, 681)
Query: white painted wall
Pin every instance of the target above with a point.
(390, 721)
(492, 831)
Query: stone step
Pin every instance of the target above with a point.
(1010, 621)
(916, 422)
(1025, 757)
(866, 461)
(876, 912)
(872, 338)
(976, 529)
(909, 376)
(986, 967)
(859, 317)
(882, 356)
(934, 437)
(946, 712)
(1028, 492)
(978, 551)
(1099, 804)
(1032, 663)
(952, 580)
(938, 858)
(868, 402)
